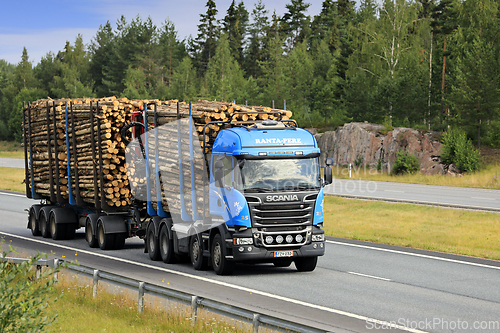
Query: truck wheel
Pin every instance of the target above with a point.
(58, 231)
(199, 261)
(166, 246)
(282, 262)
(34, 226)
(43, 221)
(152, 243)
(307, 264)
(105, 241)
(90, 235)
(221, 265)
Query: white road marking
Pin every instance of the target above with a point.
(13, 195)
(483, 198)
(224, 284)
(415, 255)
(370, 276)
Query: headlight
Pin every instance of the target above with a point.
(318, 238)
(243, 241)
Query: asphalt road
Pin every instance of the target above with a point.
(17, 163)
(460, 197)
(357, 287)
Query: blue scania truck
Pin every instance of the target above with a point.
(256, 196)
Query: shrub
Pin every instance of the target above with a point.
(457, 149)
(24, 301)
(405, 163)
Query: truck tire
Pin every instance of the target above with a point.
(33, 220)
(166, 245)
(307, 264)
(105, 241)
(221, 265)
(199, 261)
(90, 233)
(152, 245)
(43, 221)
(57, 230)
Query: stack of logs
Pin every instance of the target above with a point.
(51, 138)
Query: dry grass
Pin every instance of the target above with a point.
(431, 228)
(117, 312)
(11, 149)
(12, 179)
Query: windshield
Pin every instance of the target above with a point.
(279, 175)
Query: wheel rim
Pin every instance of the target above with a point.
(196, 249)
(33, 222)
(151, 241)
(88, 233)
(43, 224)
(53, 225)
(217, 254)
(164, 243)
(101, 235)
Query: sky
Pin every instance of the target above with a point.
(45, 25)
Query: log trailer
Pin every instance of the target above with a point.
(252, 195)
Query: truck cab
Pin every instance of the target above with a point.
(265, 185)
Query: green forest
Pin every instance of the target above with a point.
(426, 64)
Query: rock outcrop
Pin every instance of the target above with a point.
(367, 144)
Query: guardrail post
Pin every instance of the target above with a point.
(256, 322)
(56, 266)
(194, 310)
(95, 283)
(38, 273)
(141, 297)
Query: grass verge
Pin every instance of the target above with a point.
(438, 229)
(12, 179)
(11, 149)
(117, 312)
(488, 177)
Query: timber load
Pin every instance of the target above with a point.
(75, 150)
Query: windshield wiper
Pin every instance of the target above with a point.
(258, 189)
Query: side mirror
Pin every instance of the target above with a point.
(328, 175)
(329, 161)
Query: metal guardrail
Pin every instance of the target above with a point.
(196, 302)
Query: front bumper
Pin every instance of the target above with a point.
(258, 252)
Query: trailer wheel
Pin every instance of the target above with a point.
(221, 265)
(105, 241)
(43, 221)
(199, 261)
(55, 229)
(90, 234)
(166, 246)
(152, 243)
(307, 264)
(34, 226)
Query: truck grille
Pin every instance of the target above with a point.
(284, 214)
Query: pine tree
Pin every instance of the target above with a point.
(255, 51)
(100, 59)
(294, 21)
(184, 81)
(172, 52)
(235, 24)
(24, 77)
(224, 77)
(202, 48)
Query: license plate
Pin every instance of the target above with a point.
(283, 254)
